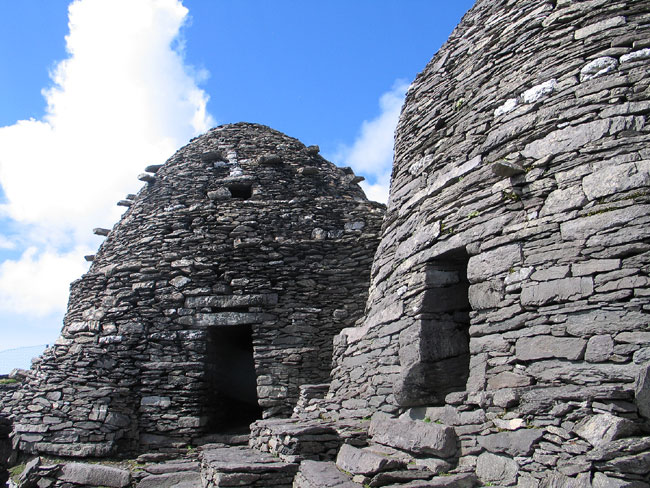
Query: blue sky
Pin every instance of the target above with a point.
(92, 91)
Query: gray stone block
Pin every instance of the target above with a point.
(599, 349)
(496, 469)
(559, 480)
(487, 294)
(461, 480)
(598, 430)
(566, 140)
(562, 200)
(562, 290)
(541, 347)
(616, 179)
(601, 480)
(315, 474)
(595, 266)
(493, 262)
(171, 480)
(585, 227)
(642, 391)
(363, 461)
(95, 475)
(413, 436)
(517, 443)
(600, 26)
(508, 379)
(580, 373)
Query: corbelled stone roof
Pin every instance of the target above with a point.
(213, 298)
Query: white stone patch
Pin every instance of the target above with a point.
(180, 281)
(540, 91)
(416, 168)
(636, 55)
(512, 424)
(597, 67)
(509, 106)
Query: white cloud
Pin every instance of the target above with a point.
(121, 100)
(371, 154)
(37, 284)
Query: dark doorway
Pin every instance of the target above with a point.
(232, 383)
(434, 352)
(446, 319)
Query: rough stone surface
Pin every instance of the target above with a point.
(517, 443)
(496, 469)
(171, 480)
(601, 429)
(199, 315)
(642, 391)
(553, 257)
(362, 461)
(508, 298)
(237, 466)
(413, 436)
(314, 474)
(95, 475)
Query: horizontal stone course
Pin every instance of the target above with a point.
(551, 98)
(414, 437)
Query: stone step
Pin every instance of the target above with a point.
(377, 465)
(322, 474)
(462, 480)
(241, 466)
(365, 462)
(183, 479)
(172, 474)
(294, 440)
(415, 437)
(326, 474)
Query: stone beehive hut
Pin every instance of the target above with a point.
(215, 296)
(510, 291)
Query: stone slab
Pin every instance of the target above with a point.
(362, 461)
(413, 436)
(95, 475)
(542, 347)
(517, 443)
(317, 474)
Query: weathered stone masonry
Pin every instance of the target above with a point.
(215, 296)
(507, 322)
(510, 288)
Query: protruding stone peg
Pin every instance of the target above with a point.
(149, 178)
(153, 168)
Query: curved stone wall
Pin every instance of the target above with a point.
(510, 288)
(220, 289)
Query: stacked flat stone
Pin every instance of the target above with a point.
(242, 229)
(235, 466)
(510, 291)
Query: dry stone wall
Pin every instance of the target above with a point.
(209, 303)
(510, 291)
